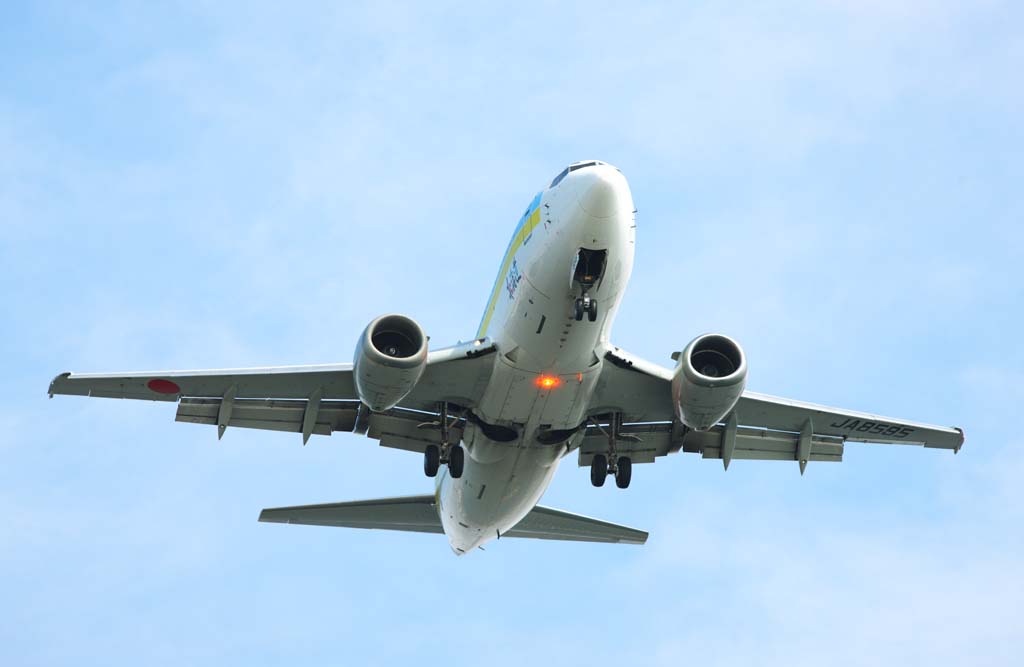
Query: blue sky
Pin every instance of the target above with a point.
(836, 185)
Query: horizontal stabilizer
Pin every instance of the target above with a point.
(546, 523)
(419, 514)
(409, 513)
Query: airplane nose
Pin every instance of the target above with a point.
(601, 191)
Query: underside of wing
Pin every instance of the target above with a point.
(785, 414)
(637, 389)
(645, 442)
(757, 427)
(398, 428)
(334, 381)
(303, 399)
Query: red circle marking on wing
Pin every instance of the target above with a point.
(161, 386)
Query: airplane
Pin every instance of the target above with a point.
(493, 417)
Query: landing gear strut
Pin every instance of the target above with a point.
(434, 455)
(619, 466)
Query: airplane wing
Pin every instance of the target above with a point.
(759, 427)
(301, 399)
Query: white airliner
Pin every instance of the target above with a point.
(540, 380)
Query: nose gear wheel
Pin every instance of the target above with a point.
(585, 305)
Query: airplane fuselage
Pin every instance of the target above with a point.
(575, 239)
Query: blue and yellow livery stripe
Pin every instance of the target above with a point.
(525, 227)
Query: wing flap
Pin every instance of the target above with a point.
(763, 445)
(645, 442)
(397, 428)
(408, 430)
(273, 415)
(642, 443)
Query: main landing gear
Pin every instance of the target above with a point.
(622, 470)
(619, 466)
(434, 455)
(585, 304)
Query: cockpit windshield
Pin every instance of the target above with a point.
(571, 168)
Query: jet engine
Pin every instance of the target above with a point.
(389, 360)
(709, 378)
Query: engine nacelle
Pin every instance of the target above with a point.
(709, 379)
(389, 360)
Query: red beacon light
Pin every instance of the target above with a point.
(547, 381)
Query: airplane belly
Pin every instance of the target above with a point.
(499, 486)
(531, 400)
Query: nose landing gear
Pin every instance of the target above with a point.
(588, 269)
(585, 304)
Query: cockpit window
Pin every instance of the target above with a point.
(558, 179)
(571, 168)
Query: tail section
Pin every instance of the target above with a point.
(419, 514)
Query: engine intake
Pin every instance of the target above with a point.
(710, 376)
(390, 357)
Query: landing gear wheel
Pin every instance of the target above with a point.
(578, 310)
(598, 469)
(592, 311)
(624, 472)
(456, 461)
(431, 460)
